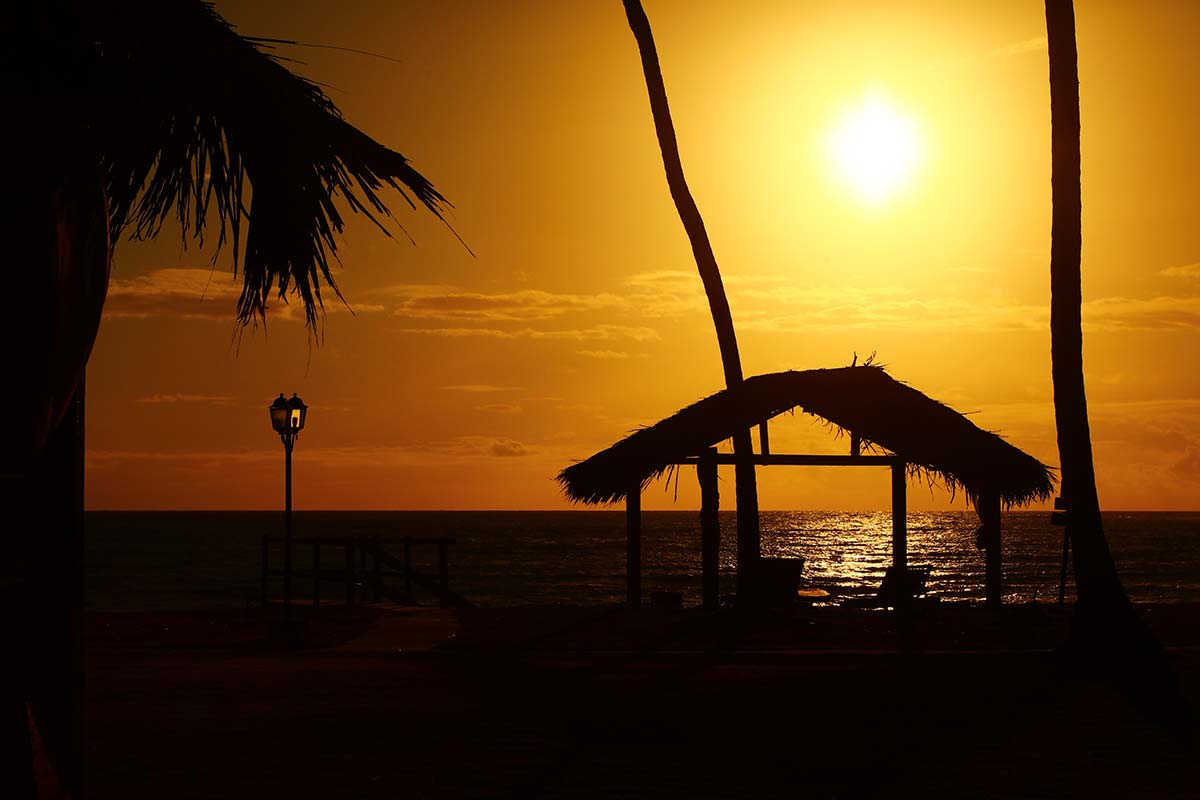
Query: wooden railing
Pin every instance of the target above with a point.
(367, 571)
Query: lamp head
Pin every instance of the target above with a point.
(279, 414)
(297, 412)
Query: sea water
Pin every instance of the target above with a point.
(160, 560)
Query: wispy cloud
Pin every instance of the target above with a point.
(175, 292)
(458, 450)
(500, 408)
(525, 305)
(508, 448)
(1130, 314)
(480, 388)
(189, 293)
(201, 459)
(163, 399)
(1034, 44)
(595, 332)
(1186, 271)
(882, 308)
(602, 354)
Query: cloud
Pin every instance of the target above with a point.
(1117, 314)
(840, 308)
(602, 354)
(763, 303)
(595, 332)
(499, 408)
(480, 388)
(162, 399)
(461, 450)
(1035, 44)
(188, 293)
(671, 293)
(524, 305)
(199, 459)
(508, 448)
(1186, 271)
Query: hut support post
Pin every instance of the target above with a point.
(633, 547)
(989, 515)
(710, 529)
(899, 515)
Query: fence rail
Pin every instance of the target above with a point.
(367, 571)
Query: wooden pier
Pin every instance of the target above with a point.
(367, 570)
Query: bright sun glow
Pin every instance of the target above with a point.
(875, 150)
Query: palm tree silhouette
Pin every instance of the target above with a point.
(746, 488)
(1107, 634)
(1097, 583)
(131, 112)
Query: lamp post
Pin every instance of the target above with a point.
(287, 418)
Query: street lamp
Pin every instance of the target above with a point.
(287, 418)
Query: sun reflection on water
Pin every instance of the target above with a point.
(847, 553)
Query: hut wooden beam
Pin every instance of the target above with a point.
(633, 547)
(988, 506)
(710, 529)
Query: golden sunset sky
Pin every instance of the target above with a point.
(467, 382)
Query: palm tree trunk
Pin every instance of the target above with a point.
(746, 483)
(1107, 634)
(1096, 579)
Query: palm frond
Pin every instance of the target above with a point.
(196, 121)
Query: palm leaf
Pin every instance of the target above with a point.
(194, 120)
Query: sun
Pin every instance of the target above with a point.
(875, 150)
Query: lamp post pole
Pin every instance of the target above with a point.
(287, 418)
(289, 440)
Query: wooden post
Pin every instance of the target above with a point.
(749, 539)
(362, 567)
(1062, 577)
(633, 547)
(376, 577)
(855, 444)
(444, 570)
(266, 554)
(408, 570)
(764, 440)
(316, 574)
(349, 574)
(899, 515)
(989, 515)
(710, 529)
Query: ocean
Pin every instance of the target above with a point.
(193, 560)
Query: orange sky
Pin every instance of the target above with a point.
(467, 383)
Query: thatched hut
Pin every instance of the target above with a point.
(888, 424)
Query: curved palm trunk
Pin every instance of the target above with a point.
(746, 484)
(1107, 634)
(1096, 577)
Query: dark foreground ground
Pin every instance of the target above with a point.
(609, 703)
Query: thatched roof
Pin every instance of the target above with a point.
(885, 413)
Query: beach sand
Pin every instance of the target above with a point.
(562, 702)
